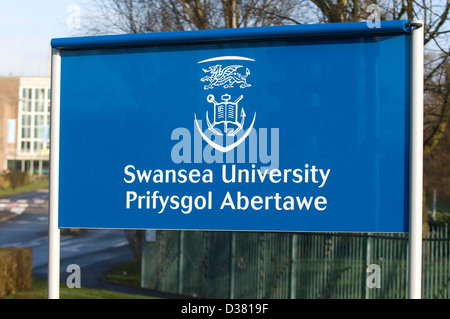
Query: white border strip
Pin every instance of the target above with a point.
(222, 58)
(416, 165)
(53, 230)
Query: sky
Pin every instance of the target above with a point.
(26, 28)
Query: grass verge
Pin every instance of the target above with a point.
(126, 273)
(23, 189)
(39, 291)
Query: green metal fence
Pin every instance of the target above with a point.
(292, 265)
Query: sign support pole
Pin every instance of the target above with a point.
(416, 167)
(53, 230)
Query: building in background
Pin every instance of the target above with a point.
(25, 124)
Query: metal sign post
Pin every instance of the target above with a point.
(416, 175)
(53, 230)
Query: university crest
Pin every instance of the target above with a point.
(226, 117)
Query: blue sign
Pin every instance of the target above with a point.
(294, 128)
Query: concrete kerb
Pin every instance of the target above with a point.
(5, 216)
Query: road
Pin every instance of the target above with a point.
(90, 247)
(95, 251)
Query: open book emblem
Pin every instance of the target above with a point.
(226, 113)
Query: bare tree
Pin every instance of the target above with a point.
(435, 16)
(135, 16)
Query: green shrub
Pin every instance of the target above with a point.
(17, 179)
(15, 270)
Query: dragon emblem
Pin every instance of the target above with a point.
(226, 77)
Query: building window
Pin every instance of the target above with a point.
(39, 100)
(14, 166)
(26, 100)
(45, 167)
(25, 147)
(26, 126)
(36, 170)
(38, 124)
(37, 146)
(34, 120)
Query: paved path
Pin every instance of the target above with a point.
(36, 201)
(24, 223)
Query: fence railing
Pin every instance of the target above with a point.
(292, 265)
